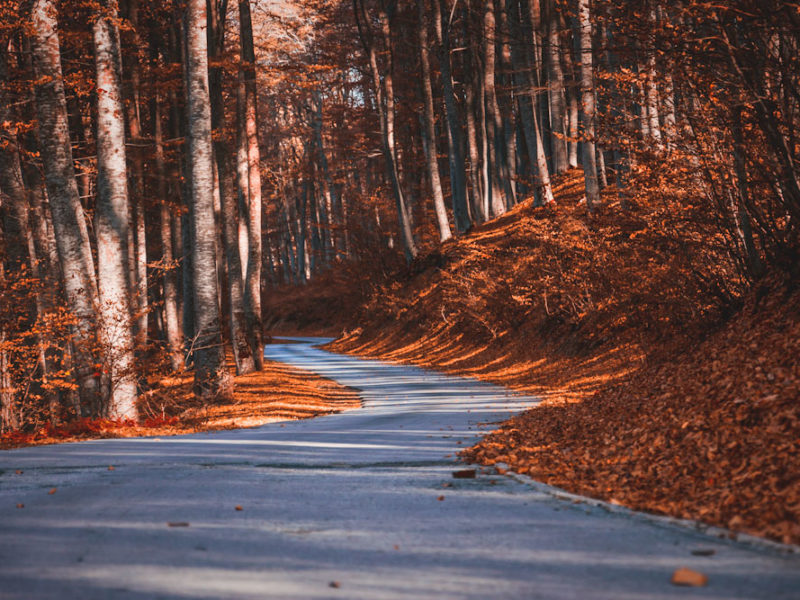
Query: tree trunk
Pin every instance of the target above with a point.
(170, 310)
(229, 206)
(111, 219)
(137, 193)
(430, 128)
(455, 154)
(555, 76)
(588, 155)
(69, 224)
(494, 122)
(211, 379)
(252, 288)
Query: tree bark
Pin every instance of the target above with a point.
(170, 310)
(211, 380)
(252, 287)
(69, 224)
(494, 122)
(430, 128)
(455, 154)
(588, 156)
(555, 89)
(112, 219)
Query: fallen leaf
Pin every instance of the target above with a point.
(19, 471)
(687, 577)
(52, 491)
(396, 547)
(440, 498)
(334, 584)
(177, 524)
(239, 507)
(20, 505)
(110, 467)
(464, 474)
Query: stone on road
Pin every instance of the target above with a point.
(360, 504)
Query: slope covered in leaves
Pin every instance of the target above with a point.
(667, 388)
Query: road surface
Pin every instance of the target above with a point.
(356, 505)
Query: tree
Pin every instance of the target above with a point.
(112, 218)
(212, 381)
(69, 222)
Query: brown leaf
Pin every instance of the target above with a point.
(20, 505)
(52, 491)
(110, 467)
(19, 472)
(239, 507)
(687, 577)
(334, 584)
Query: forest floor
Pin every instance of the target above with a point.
(278, 393)
(657, 395)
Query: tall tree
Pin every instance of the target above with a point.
(252, 288)
(112, 217)
(69, 221)
(211, 380)
(430, 127)
(588, 155)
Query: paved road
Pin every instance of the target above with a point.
(350, 500)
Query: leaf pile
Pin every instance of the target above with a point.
(711, 434)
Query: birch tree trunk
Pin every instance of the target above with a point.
(69, 224)
(211, 380)
(112, 219)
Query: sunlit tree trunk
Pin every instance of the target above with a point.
(589, 157)
(69, 224)
(430, 127)
(111, 218)
(211, 380)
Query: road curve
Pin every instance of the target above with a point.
(355, 505)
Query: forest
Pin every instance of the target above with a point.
(553, 179)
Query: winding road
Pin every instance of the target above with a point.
(356, 505)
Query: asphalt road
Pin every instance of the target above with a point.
(356, 505)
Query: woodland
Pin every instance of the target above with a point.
(594, 200)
